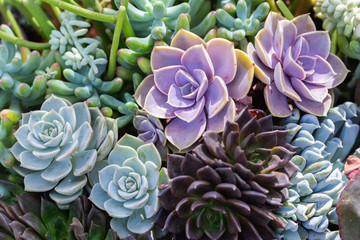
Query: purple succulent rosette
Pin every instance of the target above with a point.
(194, 84)
(294, 61)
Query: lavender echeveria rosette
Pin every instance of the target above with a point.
(59, 145)
(294, 61)
(194, 84)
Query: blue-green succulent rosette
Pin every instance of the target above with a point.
(59, 144)
(127, 186)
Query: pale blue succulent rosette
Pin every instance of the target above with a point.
(126, 186)
(323, 147)
(58, 145)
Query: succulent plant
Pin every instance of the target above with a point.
(154, 17)
(58, 145)
(313, 196)
(127, 108)
(19, 80)
(294, 61)
(245, 23)
(338, 132)
(347, 206)
(151, 130)
(81, 88)
(32, 218)
(127, 186)
(323, 147)
(229, 187)
(70, 40)
(88, 222)
(83, 66)
(340, 15)
(194, 84)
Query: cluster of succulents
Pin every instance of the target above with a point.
(179, 119)
(323, 148)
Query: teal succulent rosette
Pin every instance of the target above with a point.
(127, 186)
(58, 145)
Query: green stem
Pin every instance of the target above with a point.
(333, 42)
(82, 11)
(24, 43)
(9, 17)
(272, 5)
(94, 4)
(128, 30)
(115, 42)
(99, 26)
(29, 18)
(293, 5)
(37, 12)
(57, 12)
(284, 9)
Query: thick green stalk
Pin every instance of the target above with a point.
(9, 17)
(272, 5)
(24, 43)
(284, 9)
(94, 4)
(100, 27)
(82, 11)
(57, 12)
(115, 42)
(27, 16)
(128, 30)
(334, 42)
(37, 12)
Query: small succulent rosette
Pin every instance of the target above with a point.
(294, 61)
(230, 185)
(59, 144)
(151, 130)
(193, 85)
(127, 186)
